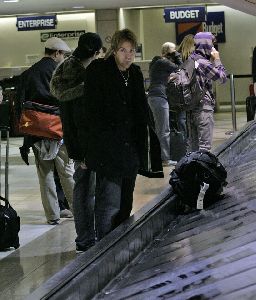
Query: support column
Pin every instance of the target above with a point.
(106, 24)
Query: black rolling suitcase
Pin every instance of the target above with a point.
(9, 220)
(250, 107)
(4, 115)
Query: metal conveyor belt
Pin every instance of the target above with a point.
(209, 254)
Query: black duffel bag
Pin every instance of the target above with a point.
(192, 172)
(9, 226)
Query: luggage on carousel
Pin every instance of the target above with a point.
(9, 220)
(195, 172)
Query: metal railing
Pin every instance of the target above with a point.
(233, 98)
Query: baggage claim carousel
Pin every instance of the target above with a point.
(208, 254)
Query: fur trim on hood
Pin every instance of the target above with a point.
(67, 82)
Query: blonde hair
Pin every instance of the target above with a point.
(187, 46)
(168, 47)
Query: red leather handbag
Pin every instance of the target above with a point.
(41, 120)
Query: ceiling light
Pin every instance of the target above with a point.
(77, 7)
(8, 1)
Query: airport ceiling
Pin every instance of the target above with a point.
(50, 6)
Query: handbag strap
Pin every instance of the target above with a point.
(37, 106)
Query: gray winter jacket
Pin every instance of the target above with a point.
(67, 85)
(67, 82)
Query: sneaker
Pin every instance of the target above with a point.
(167, 163)
(53, 222)
(66, 213)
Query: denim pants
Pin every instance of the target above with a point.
(113, 202)
(160, 110)
(83, 206)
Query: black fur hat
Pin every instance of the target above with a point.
(88, 44)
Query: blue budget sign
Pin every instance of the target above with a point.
(36, 23)
(184, 14)
(216, 24)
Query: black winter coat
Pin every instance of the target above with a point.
(35, 82)
(34, 86)
(117, 120)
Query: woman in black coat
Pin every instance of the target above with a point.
(117, 119)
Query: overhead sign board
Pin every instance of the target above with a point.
(184, 14)
(64, 35)
(36, 23)
(215, 23)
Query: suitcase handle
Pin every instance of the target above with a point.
(6, 181)
(7, 204)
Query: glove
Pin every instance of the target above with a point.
(24, 151)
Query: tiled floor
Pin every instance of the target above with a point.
(41, 255)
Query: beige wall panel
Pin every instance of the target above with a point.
(15, 45)
(132, 21)
(106, 24)
(106, 29)
(156, 32)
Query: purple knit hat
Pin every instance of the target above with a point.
(204, 43)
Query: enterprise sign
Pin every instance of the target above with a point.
(216, 24)
(36, 23)
(184, 14)
(64, 35)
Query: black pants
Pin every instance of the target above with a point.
(113, 202)
(250, 108)
(63, 203)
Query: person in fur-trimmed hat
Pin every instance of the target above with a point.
(67, 85)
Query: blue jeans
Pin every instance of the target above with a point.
(113, 202)
(160, 110)
(83, 206)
